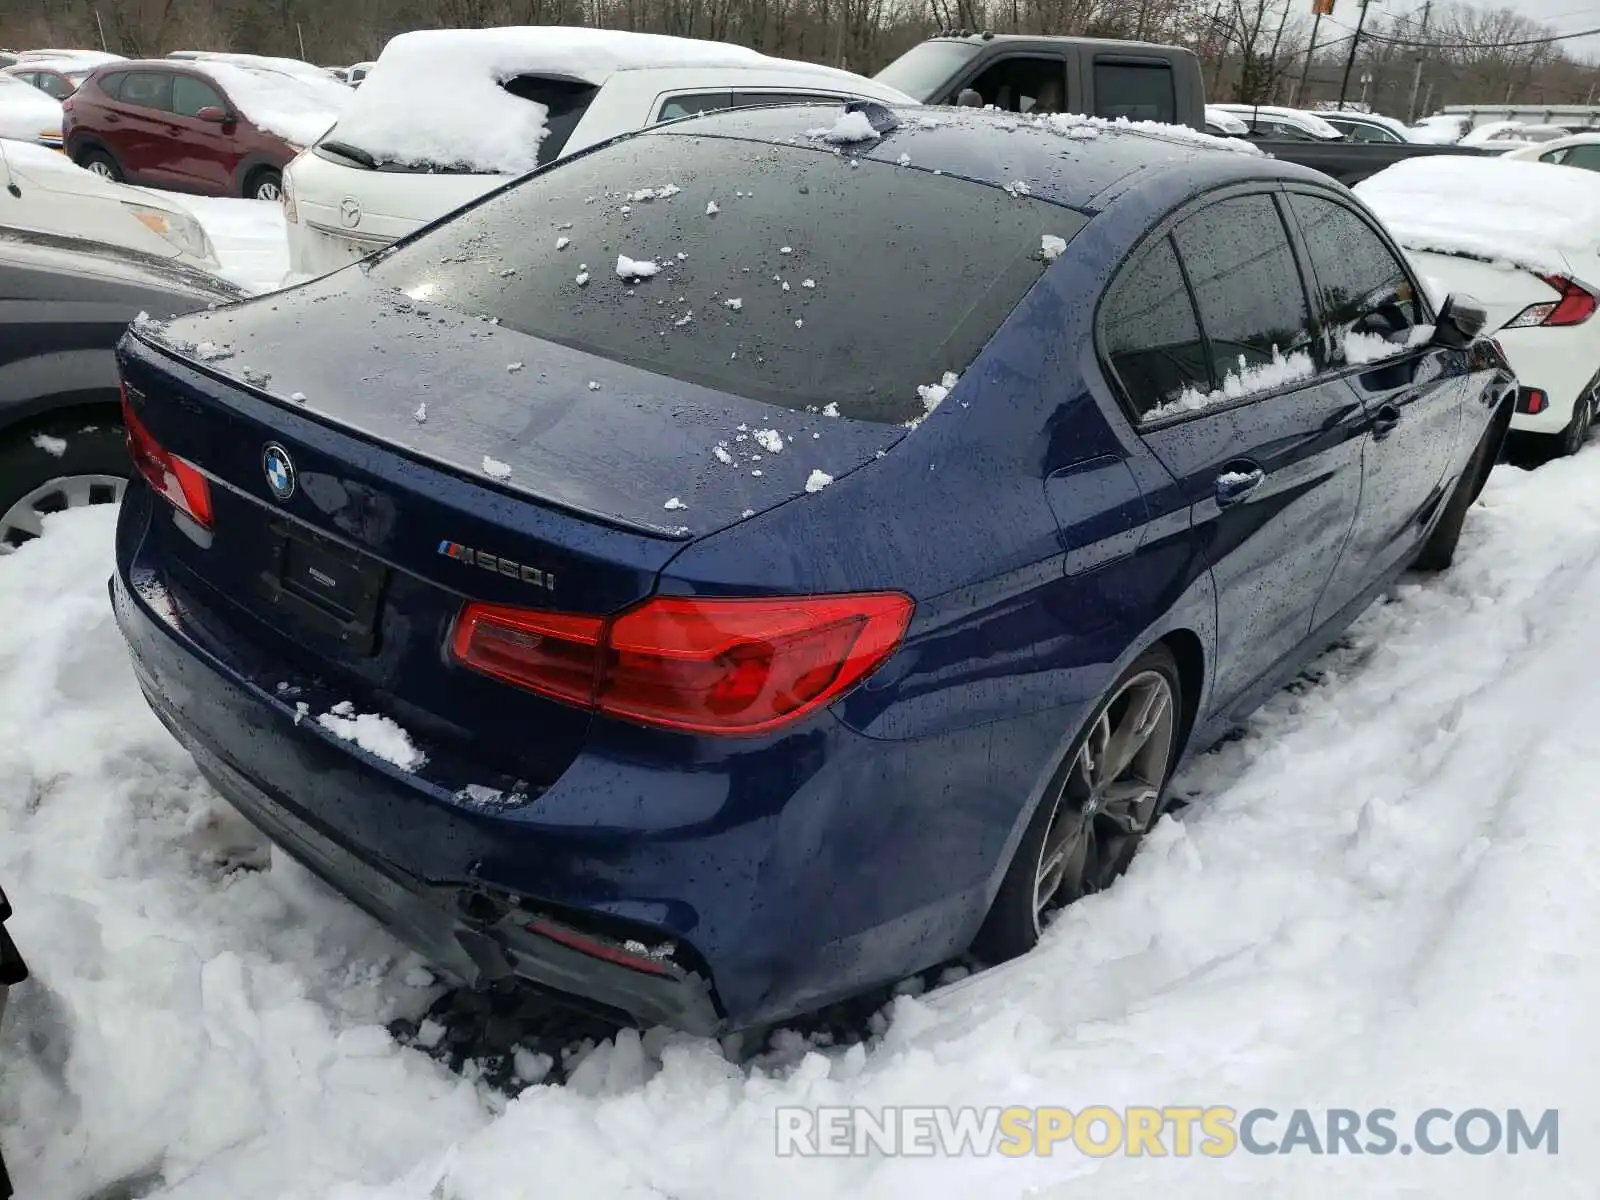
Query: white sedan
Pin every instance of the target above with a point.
(43, 192)
(27, 114)
(447, 115)
(1519, 237)
(1575, 150)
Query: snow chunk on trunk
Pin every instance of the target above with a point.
(632, 268)
(850, 127)
(818, 480)
(496, 469)
(769, 440)
(374, 733)
(1052, 246)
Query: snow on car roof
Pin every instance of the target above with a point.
(1529, 214)
(298, 108)
(435, 95)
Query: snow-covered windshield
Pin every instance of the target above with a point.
(296, 107)
(924, 70)
(787, 274)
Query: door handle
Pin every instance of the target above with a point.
(1237, 482)
(1384, 421)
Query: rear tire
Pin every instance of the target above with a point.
(1097, 808)
(265, 184)
(91, 468)
(100, 163)
(1439, 551)
(1572, 439)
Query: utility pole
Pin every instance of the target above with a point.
(1349, 63)
(1311, 51)
(1216, 28)
(299, 33)
(1416, 74)
(101, 26)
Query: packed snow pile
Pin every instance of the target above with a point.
(436, 96)
(297, 107)
(1526, 214)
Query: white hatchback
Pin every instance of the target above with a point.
(447, 115)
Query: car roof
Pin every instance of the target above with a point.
(1068, 160)
(1047, 39)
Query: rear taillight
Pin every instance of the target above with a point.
(175, 480)
(1575, 305)
(718, 666)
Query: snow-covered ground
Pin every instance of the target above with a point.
(1385, 894)
(249, 235)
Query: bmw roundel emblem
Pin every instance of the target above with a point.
(279, 468)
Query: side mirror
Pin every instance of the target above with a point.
(215, 115)
(968, 98)
(1461, 319)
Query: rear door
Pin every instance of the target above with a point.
(138, 128)
(1210, 336)
(1373, 323)
(1139, 88)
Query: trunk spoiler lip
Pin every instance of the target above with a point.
(673, 533)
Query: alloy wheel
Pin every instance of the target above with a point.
(24, 520)
(1110, 794)
(102, 168)
(269, 191)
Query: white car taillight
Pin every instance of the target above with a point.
(1575, 305)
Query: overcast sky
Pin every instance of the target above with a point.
(1563, 16)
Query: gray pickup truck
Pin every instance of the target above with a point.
(1141, 81)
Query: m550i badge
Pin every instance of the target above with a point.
(500, 566)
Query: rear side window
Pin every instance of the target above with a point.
(1367, 303)
(146, 89)
(690, 104)
(1137, 91)
(752, 99)
(777, 272)
(1250, 298)
(1150, 334)
(565, 101)
(111, 85)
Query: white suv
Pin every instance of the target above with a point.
(377, 176)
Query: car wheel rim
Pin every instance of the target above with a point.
(24, 520)
(101, 168)
(1110, 795)
(268, 191)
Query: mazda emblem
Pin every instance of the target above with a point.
(350, 213)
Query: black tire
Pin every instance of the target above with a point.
(1012, 926)
(264, 179)
(88, 470)
(1573, 438)
(1439, 551)
(101, 163)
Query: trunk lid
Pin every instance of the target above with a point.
(1503, 290)
(525, 416)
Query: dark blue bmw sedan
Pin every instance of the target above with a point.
(767, 556)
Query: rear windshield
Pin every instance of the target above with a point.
(797, 277)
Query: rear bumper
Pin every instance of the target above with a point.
(1561, 363)
(788, 874)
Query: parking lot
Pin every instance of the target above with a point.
(1371, 892)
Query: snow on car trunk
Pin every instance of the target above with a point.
(1383, 896)
(1538, 216)
(296, 107)
(436, 96)
(26, 113)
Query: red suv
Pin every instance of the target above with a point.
(173, 125)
